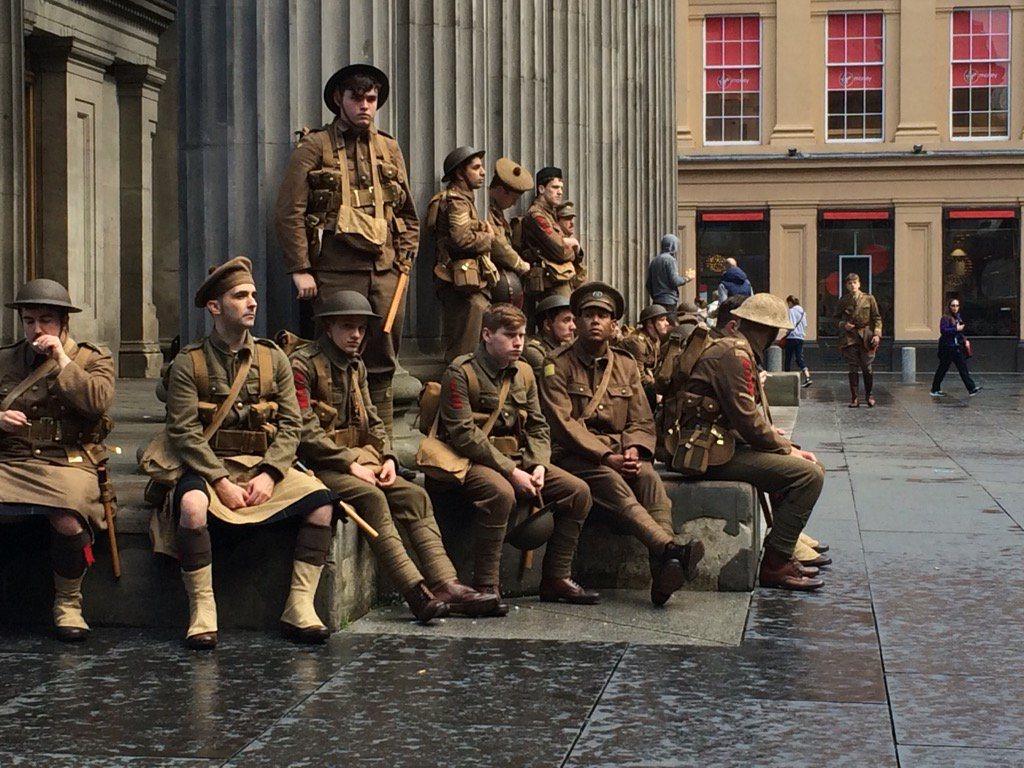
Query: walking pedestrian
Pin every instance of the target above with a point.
(953, 350)
(795, 339)
(663, 278)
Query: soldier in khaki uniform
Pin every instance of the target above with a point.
(374, 244)
(511, 459)
(463, 271)
(644, 344)
(603, 433)
(565, 212)
(508, 184)
(860, 333)
(345, 443)
(726, 400)
(551, 253)
(54, 396)
(556, 325)
(242, 472)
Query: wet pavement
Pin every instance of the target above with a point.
(912, 655)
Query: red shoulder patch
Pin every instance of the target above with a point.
(454, 398)
(544, 224)
(301, 388)
(748, 374)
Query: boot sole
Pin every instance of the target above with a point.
(203, 642)
(671, 577)
(473, 610)
(570, 601)
(310, 636)
(694, 554)
(71, 634)
(810, 585)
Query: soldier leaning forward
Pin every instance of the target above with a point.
(356, 230)
(490, 414)
(551, 253)
(508, 184)
(722, 434)
(644, 344)
(556, 325)
(234, 424)
(345, 443)
(54, 396)
(463, 271)
(603, 433)
(860, 333)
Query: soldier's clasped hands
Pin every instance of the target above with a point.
(11, 420)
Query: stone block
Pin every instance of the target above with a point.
(783, 389)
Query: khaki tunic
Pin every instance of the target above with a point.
(536, 352)
(185, 429)
(861, 310)
(503, 254)
(645, 351)
(48, 474)
(544, 243)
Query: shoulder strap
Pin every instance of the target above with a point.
(265, 367)
(696, 344)
(602, 388)
(201, 373)
(527, 371)
(473, 385)
(357, 399)
(25, 384)
(324, 380)
(229, 401)
(488, 425)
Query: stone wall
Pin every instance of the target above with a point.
(583, 84)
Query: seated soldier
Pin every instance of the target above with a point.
(730, 400)
(510, 450)
(555, 326)
(345, 443)
(54, 396)
(234, 422)
(603, 433)
(644, 344)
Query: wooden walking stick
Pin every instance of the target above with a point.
(109, 499)
(352, 515)
(396, 301)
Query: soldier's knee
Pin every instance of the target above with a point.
(65, 523)
(321, 515)
(504, 501)
(193, 509)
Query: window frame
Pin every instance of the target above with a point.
(704, 80)
(1009, 74)
(880, 139)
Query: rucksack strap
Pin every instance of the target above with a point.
(265, 366)
(324, 381)
(602, 388)
(201, 373)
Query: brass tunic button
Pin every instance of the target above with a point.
(238, 406)
(600, 407)
(37, 452)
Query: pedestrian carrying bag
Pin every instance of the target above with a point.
(354, 228)
(437, 460)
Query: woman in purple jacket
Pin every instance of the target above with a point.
(951, 351)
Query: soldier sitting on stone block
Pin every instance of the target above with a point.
(234, 423)
(345, 443)
(490, 414)
(54, 397)
(603, 433)
(556, 325)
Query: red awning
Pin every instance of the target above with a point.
(989, 213)
(855, 215)
(732, 216)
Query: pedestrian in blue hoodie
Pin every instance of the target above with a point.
(663, 278)
(734, 282)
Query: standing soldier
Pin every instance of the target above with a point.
(729, 438)
(356, 230)
(463, 271)
(556, 325)
(859, 337)
(508, 184)
(566, 214)
(510, 453)
(603, 433)
(645, 345)
(234, 422)
(54, 396)
(345, 443)
(551, 253)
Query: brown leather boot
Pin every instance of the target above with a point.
(424, 605)
(501, 609)
(463, 600)
(783, 572)
(678, 565)
(566, 591)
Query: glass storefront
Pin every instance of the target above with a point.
(854, 241)
(741, 235)
(981, 267)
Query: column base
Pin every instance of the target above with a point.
(139, 360)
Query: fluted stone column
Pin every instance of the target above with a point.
(138, 90)
(12, 169)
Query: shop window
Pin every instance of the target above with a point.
(721, 235)
(980, 61)
(855, 59)
(981, 267)
(860, 242)
(732, 79)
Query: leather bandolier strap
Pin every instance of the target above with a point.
(228, 442)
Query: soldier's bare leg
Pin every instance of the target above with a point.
(196, 558)
(70, 554)
(299, 621)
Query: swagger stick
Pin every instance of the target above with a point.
(109, 499)
(396, 301)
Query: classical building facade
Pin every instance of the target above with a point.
(81, 153)
(587, 86)
(821, 137)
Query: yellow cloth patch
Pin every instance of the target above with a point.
(549, 369)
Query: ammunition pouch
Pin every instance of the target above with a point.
(262, 414)
(48, 432)
(700, 441)
(349, 437)
(240, 442)
(466, 276)
(535, 279)
(558, 273)
(327, 414)
(506, 445)
(358, 231)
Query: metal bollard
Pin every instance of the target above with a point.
(774, 359)
(909, 361)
